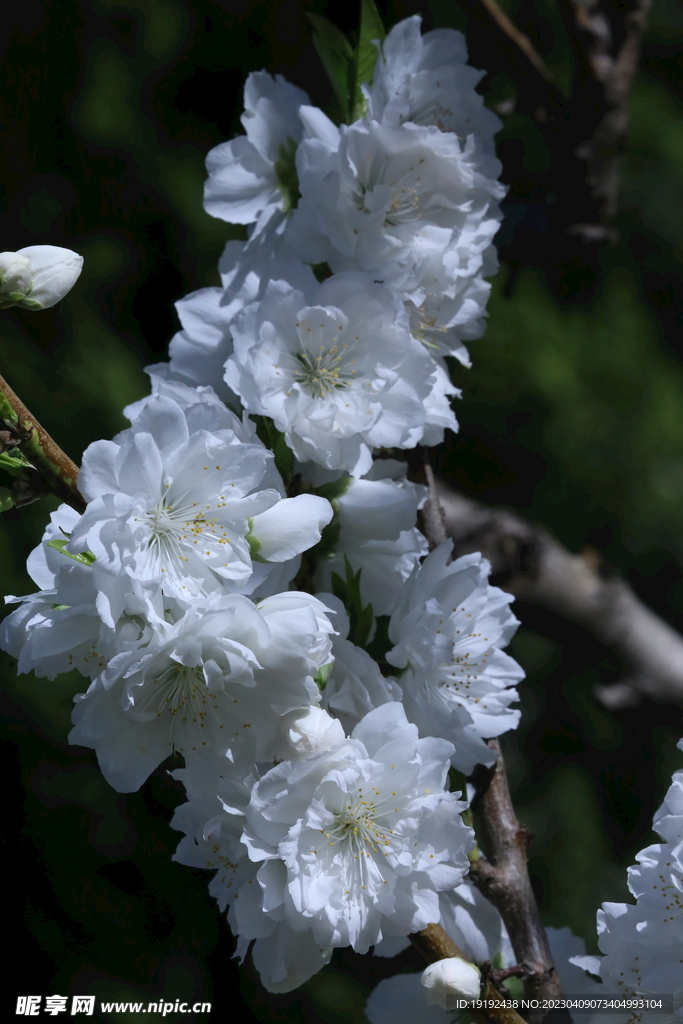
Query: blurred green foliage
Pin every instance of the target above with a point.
(573, 413)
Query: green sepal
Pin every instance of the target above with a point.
(321, 270)
(371, 28)
(335, 489)
(14, 461)
(322, 675)
(254, 543)
(7, 413)
(361, 618)
(84, 557)
(286, 174)
(338, 59)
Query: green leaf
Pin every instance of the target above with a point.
(284, 458)
(338, 59)
(6, 499)
(286, 174)
(321, 270)
(335, 489)
(275, 441)
(380, 645)
(361, 618)
(349, 67)
(371, 28)
(458, 782)
(322, 675)
(84, 557)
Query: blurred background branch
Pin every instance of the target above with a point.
(527, 561)
(607, 43)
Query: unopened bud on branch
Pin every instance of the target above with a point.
(450, 980)
(38, 276)
(15, 278)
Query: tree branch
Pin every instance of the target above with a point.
(531, 564)
(608, 53)
(502, 876)
(56, 470)
(435, 944)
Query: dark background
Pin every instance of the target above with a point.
(573, 414)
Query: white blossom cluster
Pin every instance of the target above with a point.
(270, 611)
(643, 942)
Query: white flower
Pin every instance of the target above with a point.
(376, 515)
(81, 617)
(216, 681)
(309, 731)
(252, 178)
(388, 196)
(472, 922)
(355, 684)
(247, 267)
(336, 370)
(357, 835)
(213, 821)
(426, 80)
(668, 820)
(37, 276)
(199, 351)
(439, 414)
(644, 943)
(180, 501)
(446, 298)
(450, 980)
(448, 630)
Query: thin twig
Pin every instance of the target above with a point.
(435, 944)
(531, 564)
(503, 877)
(519, 39)
(57, 471)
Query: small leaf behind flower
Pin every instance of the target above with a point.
(84, 557)
(361, 618)
(337, 58)
(349, 67)
(371, 29)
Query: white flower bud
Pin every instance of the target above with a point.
(309, 731)
(54, 272)
(15, 278)
(449, 980)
